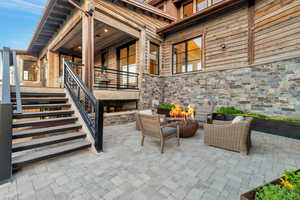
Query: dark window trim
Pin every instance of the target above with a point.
(186, 54)
(158, 56)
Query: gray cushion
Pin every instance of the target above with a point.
(167, 131)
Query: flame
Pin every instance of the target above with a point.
(179, 112)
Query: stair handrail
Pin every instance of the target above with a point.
(6, 96)
(5, 54)
(86, 103)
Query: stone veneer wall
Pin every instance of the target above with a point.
(270, 89)
(117, 118)
(151, 89)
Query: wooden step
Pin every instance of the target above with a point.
(35, 143)
(47, 122)
(44, 106)
(22, 160)
(35, 94)
(42, 100)
(48, 130)
(43, 114)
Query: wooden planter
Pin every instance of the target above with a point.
(275, 127)
(165, 112)
(251, 194)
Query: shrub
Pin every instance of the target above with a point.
(166, 106)
(229, 110)
(276, 192)
(233, 111)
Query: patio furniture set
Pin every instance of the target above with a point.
(232, 135)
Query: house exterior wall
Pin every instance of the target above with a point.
(269, 85)
(229, 29)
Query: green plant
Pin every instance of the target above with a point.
(287, 189)
(166, 106)
(276, 192)
(233, 111)
(291, 180)
(229, 110)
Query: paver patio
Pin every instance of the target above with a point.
(128, 171)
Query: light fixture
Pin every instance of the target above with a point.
(79, 47)
(105, 30)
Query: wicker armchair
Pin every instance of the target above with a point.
(235, 137)
(151, 127)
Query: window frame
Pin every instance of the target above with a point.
(186, 54)
(182, 8)
(207, 5)
(157, 57)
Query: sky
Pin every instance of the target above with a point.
(18, 19)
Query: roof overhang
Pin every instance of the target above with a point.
(149, 8)
(193, 19)
(54, 15)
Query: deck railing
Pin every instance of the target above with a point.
(89, 107)
(105, 77)
(109, 78)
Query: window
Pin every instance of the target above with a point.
(154, 59)
(201, 4)
(187, 55)
(216, 1)
(127, 62)
(187, 9)
(29, 70)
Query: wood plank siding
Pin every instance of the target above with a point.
(268, 31)
(229, 29)
(277, 29)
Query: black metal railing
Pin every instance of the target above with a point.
(105, 77)
(89, 107)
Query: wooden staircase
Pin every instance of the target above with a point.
(47, 128)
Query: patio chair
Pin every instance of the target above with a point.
(151, 127)
(224, 134)
(147, 112)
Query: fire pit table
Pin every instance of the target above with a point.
(187, 128)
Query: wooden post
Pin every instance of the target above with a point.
(88, 46)
(251, 45)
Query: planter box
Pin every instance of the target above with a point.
(251, 194)
(275, 127)
(164, 111)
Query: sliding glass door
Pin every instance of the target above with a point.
(127, 64)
